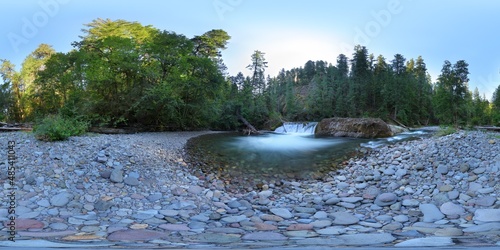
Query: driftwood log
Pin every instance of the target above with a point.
(15, 127)
(492, 128)
(101, 130)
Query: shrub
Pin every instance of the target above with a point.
(58, 128)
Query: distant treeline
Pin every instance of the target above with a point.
(124, 74)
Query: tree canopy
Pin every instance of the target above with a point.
(126, 74)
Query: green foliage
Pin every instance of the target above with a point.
(496, 99)
(446, 130)
(5, 100)
(258, 67)
(452, 95)
(58, 128)
(126, 74)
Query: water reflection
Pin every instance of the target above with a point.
(248, 160)
(271, 155)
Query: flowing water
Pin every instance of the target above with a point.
(290, 152)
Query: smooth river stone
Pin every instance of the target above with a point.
(366, 239)
(487, 215)
(485, 201)
(136, 235)
(264, 236)
(431, 212)
(282, 212)
(450, 208)
(386, 199)
(427, 242)
(343, 218)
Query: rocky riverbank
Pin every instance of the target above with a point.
(136, 191)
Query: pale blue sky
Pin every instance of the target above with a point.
(290, 32)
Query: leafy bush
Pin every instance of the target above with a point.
(58, 128)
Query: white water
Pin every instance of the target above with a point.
(296, 142)
(301, 128)
(394, 139)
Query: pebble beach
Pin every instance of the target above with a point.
(136, 191)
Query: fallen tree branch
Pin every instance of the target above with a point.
(251, 128)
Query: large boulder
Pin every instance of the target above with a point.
(397, 129)
(354, 127)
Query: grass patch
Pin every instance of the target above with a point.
(58, 128)
(494, 136)
(448, 130)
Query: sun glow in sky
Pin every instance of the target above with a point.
(289, 32)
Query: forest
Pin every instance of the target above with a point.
(125, 74)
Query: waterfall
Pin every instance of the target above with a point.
(297, 128)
